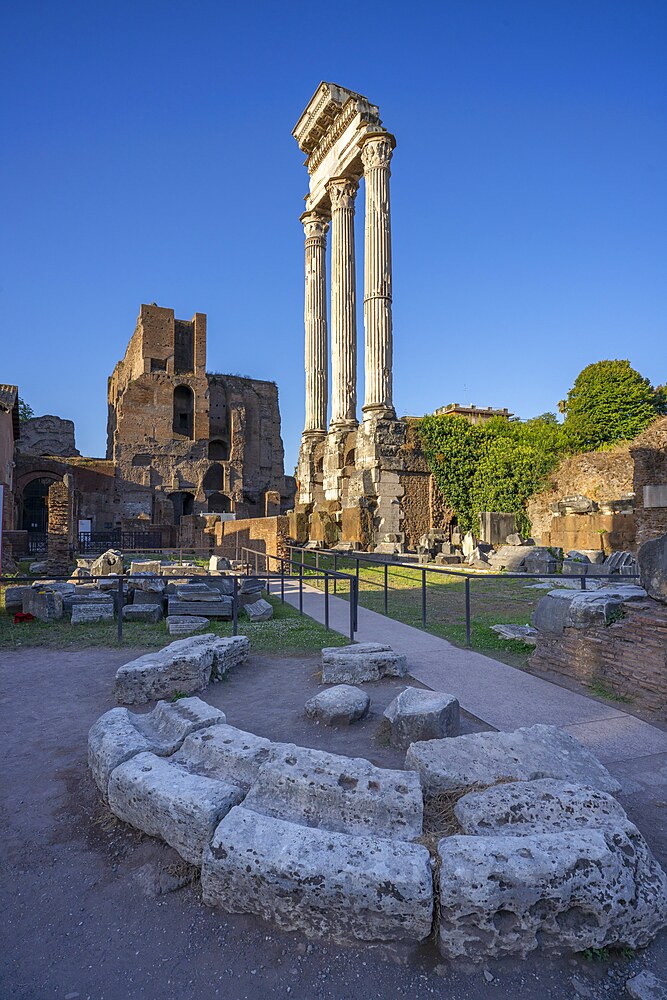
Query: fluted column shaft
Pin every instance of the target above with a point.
(315, 322)
(342, 192)
(376, 156)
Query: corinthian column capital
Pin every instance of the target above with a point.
(342, 191)
(315, 225)
(377, 150)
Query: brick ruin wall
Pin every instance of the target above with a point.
(602, 476)
(270, 535)
(629, 656)
(649, 453)
(60, 527)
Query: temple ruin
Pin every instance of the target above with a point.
(359, 484)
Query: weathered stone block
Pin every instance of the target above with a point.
(322, 883)
(258, 611)
(146, 566)
(417, 714)
(110, 561)
(185, 624)
(331, 792)
(46, 605)
(364, 661)
(162, 798)
(228, 753)
(572, 890)
(227, 654)
(546, 805)
(89, 612)
(14, 598)
(217, 606)
(652, 559)
(119, 734)
(479, 759)
(184, 665)
(151, 613)
(218, 563)
(339, 706)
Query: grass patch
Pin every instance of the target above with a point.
(287, 632)
(602, 690)
(492, 602)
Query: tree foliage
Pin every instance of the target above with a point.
(26, 411)
(609, 402)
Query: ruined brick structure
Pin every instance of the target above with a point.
(180, 443)
(184, 441)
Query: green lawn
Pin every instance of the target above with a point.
(492, 601)
(288, 632)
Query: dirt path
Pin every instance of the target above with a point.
(84, 901)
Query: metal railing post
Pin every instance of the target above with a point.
(120, 610)
(423, 598)
(235, 607)
(467, 611)
(326, 600)
(335, 571)
(301, 588)
(282, 579)
(352, 612)
(386, 588)
(583, 581)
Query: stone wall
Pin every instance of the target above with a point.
(47, 435)
(649, 452)
(263, 534)
(602, 476)
(608, 532)
(629, 656)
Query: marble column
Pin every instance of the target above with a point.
(376, 156)
(315, 321)
(342, 192)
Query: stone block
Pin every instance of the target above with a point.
(147, 597)
(519, 633)
(228, 753)
(505, 896)
(416, 714)
(152, 566)
(45, 605)
(364, 661)
(196, 592)
(184, 665)
(227, 654)
(551, 611)
(652, 560)
(597, 608)
(218, 563)
(251, 586)
(646, 986)
(185, 624)
(119, 734)
(508, 557)
(539, 560)
(218, 606)
(318, 882)
(480, 759)
(162, 798)
(14, 598)
(109, 562)
(38, 567)
(339, 706)
(520, 808)
(331, 792)
(258, 611)
(150, 613)
(67, 589)
(89, 612)
(148, 584)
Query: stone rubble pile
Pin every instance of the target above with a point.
(184, 666)
(326, 845)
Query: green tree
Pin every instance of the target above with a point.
(608, 402)
(26, 411)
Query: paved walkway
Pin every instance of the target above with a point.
(502, 696)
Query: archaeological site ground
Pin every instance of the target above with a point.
(393, 726)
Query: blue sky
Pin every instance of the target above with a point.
(148, 157)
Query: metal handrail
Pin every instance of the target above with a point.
(359, 557)
(325, 574)
(8, 581)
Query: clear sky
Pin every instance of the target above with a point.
(147, 156)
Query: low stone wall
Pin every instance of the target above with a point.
(649, 452)
(629, 656)
(264, 534)
(609, 532)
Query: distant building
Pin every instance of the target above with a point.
(473, 414)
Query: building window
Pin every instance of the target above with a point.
(218, 451)
(184, 411)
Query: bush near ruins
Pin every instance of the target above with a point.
(609, 402)
(493, 466)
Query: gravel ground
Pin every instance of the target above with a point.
(92, 909)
